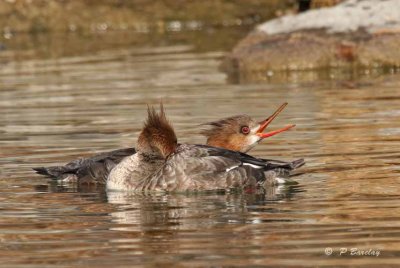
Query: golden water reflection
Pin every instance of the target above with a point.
(54, 110)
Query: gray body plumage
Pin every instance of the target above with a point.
(195, 167)
(131, 170)
(192, 168)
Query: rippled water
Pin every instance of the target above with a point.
(54, 109)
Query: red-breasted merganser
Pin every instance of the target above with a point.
(161, 164)
(238, 133)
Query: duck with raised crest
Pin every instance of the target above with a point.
(161, 164)
(238, 133)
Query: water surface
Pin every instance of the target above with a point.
(56, 106)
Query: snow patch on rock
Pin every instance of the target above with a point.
(349, 16)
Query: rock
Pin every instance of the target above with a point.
(356, 34)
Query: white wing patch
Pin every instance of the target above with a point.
(280, 180)
(251, 165)
(230, 168)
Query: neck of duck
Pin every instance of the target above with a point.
(152, 151)
(155, 143)
(230, 142)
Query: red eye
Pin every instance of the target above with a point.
(245, 130)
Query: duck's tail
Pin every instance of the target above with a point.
(281, 172)
(52, 172)
(272, 164)
(97, 166)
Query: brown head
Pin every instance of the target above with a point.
(157, 136)
(240, 133)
